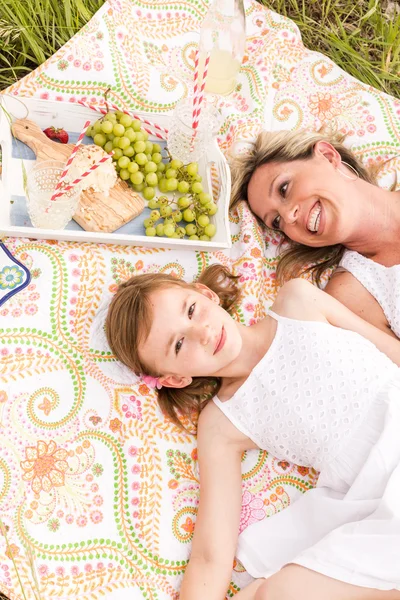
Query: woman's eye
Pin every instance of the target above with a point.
(283, 189)
(276, 222)
(178, 345)
(191, 310)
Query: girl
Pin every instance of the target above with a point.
(313, 384)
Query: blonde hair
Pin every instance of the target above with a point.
(128, 325)
(287, 146)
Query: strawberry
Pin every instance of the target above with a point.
(58, 135)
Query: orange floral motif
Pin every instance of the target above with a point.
(143, 389)
(45, 466)
(324, 105)
(323, 70)
(115, 425)
(255, 252)
(303, 470)
(12, 551)
(188, 525)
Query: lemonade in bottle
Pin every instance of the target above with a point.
(223, 37)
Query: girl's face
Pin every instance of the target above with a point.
(309, 200)
(190, 336)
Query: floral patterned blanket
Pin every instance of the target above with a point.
(98, 492)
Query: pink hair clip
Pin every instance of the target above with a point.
(153, 382)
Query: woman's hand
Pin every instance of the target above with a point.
(220, 447)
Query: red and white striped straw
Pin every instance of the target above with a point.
(71, 158)
(195, 82)
(159, 132)
(199, 96)
(85, 174)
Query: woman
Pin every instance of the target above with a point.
(328, 207)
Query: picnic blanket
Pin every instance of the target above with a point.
(99, 492)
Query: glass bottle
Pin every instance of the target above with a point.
(223, 37)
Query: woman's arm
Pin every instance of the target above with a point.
(299, 299)
(220, 446)
(349, 291)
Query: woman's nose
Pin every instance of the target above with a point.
(290, 214)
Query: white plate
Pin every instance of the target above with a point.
(14, 220)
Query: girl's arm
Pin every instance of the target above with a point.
(220, 446)
(299, 299)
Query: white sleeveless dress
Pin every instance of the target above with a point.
(326, 398)
(383, 283)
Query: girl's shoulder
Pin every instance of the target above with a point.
(214, 427)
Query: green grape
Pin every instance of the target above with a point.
(162, 185)
(183, 202)
(169, 221)
(197, 188)
(148, 223)
(118, 114)
(192, 169)
(175, 235)
(204, 238)
(100, 139)
(106, 127)
(204, 198)
(166, 211)
(198, 178)
(172, 184)
(194, 237)
(124, 143)
(124, 162)
(170, 173)
(191, 229)
(111, 117)
(124, 174)
(181, 232)
(176, 164)
(108, 146)
(130, 134)
(139, 136)
(129, 151)
(89, 131)
(96, 127)
(137, 178)
(135, 125)
(160, 229)
(188, 215)
(155, 215)
(203, 220)
(141, 159)
(160, 167)
(163, 201)
(150, 167)
(116, 141)
(156, 147)
(126, 120)
(118, 130)
(211, 208)
(149, 193)
(210, 230)
(177, 216)
(169, 230)
(145, 135)
(159, 175)
(139, 146)
(151, 231)
(117, 168)
(151, 179)
(149, 147)
(133, 167)
(156, 158)
(153, 204)
(148, 156)
(183, 187)
(140, 187)
(117, 153)
(110, 136)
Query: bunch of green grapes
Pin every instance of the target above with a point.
(140, 162)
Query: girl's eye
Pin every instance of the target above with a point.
(283, 189)
(178, 345)
(276, 222)
(191, 310)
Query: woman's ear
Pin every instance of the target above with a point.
(203, 289)
(174, 381)
(326, 150)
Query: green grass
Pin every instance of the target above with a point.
(361, 36)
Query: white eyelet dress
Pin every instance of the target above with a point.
(383, 283)
(326, 398)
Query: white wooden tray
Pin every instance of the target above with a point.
(17, 157)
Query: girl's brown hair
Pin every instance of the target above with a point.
(128, 325)
(286, 146)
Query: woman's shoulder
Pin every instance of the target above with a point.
(299, 299)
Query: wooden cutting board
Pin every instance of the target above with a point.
(96, 212)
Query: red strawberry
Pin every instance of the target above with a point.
(59, 135)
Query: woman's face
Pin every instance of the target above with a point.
(308, 200)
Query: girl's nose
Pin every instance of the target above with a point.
(204, 332)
